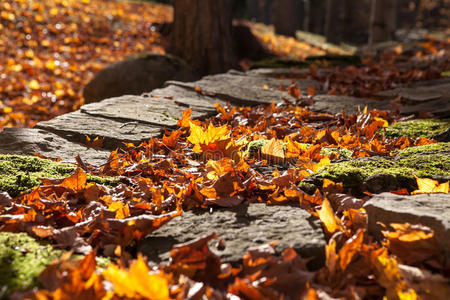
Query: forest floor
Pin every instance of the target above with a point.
(326, 180)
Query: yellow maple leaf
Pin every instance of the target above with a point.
(427, 186)
(201, 137)
(122, 210)
(137, 282)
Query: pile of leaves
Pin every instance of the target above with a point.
(49, 50)
(386, 70)
(207, 164)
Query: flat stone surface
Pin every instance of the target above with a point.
(335, 104)
(418, 93)
(242, 227)
(188, 98)
(240, 89)
(438, 107)
(432, 210)
(76, 125)
(28, 141)
(428, 96)
(156, 111)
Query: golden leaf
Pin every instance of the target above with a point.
(328, 218)
(138, 281)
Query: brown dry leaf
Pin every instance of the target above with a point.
(412, 243)
(351, 247)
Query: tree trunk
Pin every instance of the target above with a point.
(332, 17)
(382, 21)
(202, 34)
(287, 18)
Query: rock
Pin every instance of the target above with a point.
(136, 75)
(335, 104)
(432, 210)
(359, 175)
(420, 92)
(144, 109)
(242, 227)
(76, 126)
(431, 97)
(443, 136)
(428, 128)
(240, 89)
(26, 141)
(187, 98)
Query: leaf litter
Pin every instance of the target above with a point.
(205, 165)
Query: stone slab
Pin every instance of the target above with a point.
(439, 107)
(130, 108)
(242, 227)
(240, 89)
(432, 210)
(28, 141)
(187, 98)
(335, 104)
(76, 125)
(418, 93)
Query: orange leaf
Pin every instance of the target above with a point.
(273, 151)
(75, 182)
(328, 218)
(350, 249)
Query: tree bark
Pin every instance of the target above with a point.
(332, 17)
(382, 21)
(202, 35)
(287, 18)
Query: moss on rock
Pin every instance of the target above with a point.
(352, 173)
(20, 173)
(417, 128)
(430, 148)
(22, 259)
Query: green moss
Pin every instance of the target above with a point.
(352, 173)
(22, 259)
(430, 148)
(254, 146)
(417, 128)
(20, 173)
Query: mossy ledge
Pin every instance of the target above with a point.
(22, 259)
(352, 173)
(417, 128)
(20, 173)
(430, 148)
